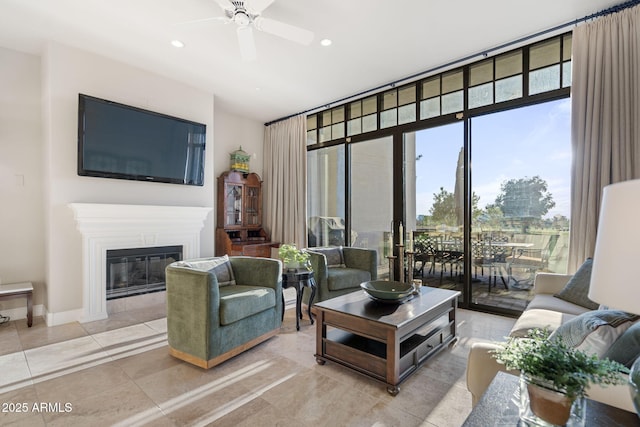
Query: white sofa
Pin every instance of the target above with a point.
(544, 310)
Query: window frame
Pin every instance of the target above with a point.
(526, 98)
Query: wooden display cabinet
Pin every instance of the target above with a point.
(239, 216)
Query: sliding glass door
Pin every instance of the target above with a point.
(521, 178)
(434, 204)
(368, 170)
(326, 196)
(515, 201)
(371, 172)
(474, 161)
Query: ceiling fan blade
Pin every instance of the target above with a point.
(225, 4)
(247, 44)
(286, 31)
(195, 21)
(257, 6)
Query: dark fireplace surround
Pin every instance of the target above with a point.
(138, 271)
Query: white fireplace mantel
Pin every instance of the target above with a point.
(113, 226)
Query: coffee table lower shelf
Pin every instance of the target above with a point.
(384, 352)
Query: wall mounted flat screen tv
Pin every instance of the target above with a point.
(124, 142)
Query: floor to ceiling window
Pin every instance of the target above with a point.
(325, 197)
(436, 219)
(520, 179)
(371, 171)
(474, 161)
(520, 182)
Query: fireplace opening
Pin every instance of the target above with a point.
(139, 270)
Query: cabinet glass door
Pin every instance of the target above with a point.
(233, 195)
(252, 208)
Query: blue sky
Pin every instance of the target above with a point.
(518, 143)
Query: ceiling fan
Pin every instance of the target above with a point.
(247, 16)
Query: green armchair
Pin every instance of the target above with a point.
(340, 270)
(220, 307)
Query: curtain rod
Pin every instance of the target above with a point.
(484, 53)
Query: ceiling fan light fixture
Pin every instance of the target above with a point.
(241, 18)
(325, 42)
(247, 16)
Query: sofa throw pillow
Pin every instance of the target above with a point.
(577, 288)
(184, 264)
(595, 331)
(334, 256)
(626, 349)
(223, 271)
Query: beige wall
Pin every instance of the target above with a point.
(21, 194)
(45, 227)
(231, 132)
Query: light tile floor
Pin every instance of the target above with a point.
(100, 374)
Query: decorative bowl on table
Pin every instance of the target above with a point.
(384, 290)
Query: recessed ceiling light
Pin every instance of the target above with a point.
(325, 42)
(177, 43)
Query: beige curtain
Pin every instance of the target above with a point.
(605, 119)
(285, 177)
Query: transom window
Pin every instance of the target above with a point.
(528, 71)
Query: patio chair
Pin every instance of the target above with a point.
(489, 256)
(427, 251)
(530, 260)
(451, 254)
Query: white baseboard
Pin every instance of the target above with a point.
(19, 313)
(51, 319)
(77, 315)
(60, 318)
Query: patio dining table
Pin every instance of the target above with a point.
(512, 244)
(453, 246)
(452, 250)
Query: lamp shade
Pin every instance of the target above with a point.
(614, 281)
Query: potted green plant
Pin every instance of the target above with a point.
(554, 376)
(292, 257)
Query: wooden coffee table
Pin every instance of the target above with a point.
(385, 341)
